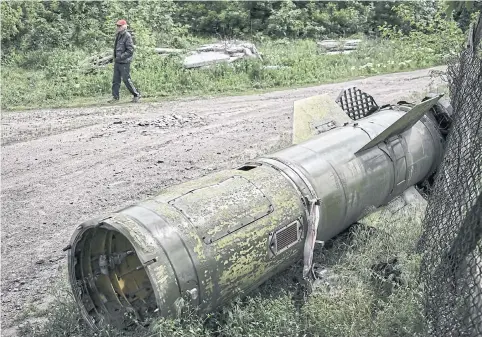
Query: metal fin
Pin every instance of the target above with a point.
(403, 123)
(314, 115)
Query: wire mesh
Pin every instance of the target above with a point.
(451, 269)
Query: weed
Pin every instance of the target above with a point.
(59, 78)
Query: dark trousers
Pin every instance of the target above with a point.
(122, 71)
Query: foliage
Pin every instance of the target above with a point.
(362, 302)
(55, 78)
(46, 45)
(41, 25)
(435, 38)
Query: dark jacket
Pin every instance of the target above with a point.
(123, 47)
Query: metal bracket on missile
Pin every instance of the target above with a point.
(324, 126)
(403, 123)
(357, 104)
(313, 220)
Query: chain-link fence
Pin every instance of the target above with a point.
(451, 271)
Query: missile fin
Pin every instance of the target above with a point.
(314, 115)
(403, 123)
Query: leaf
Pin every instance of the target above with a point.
(456, 6)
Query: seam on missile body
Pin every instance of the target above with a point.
(161, 272)
(169, 246)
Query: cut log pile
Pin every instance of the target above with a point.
(168, 51)
(95, 62)
(338, 46)
(222, 52)
(203, 56)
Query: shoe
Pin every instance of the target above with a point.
(113, 100)
(136, 99)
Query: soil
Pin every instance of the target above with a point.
(61, 167)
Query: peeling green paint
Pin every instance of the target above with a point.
(141, 237)
(240, 258)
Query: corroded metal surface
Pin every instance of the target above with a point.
(208, 240)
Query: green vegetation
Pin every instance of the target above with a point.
(45, 45)
(299, 63)
(356, 299)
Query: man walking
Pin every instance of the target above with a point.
(123, 53)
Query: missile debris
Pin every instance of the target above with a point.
(207, 240)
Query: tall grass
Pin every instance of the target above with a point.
(352, 299)
(57, 78)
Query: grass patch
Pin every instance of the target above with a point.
(353, 299)
(56, 78)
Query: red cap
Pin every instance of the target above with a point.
(121, 23)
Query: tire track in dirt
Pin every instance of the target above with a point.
(61, 167)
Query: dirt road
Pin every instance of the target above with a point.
(61, 167)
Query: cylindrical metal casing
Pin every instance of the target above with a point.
(209, 239)
(349, 184)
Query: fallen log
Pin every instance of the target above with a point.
(205, 59)
(220, 52)
(164, 51)
(338, 45)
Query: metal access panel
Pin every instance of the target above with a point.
(221, 209)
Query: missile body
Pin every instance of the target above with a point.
(210, 239)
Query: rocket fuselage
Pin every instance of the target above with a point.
(209, 239)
